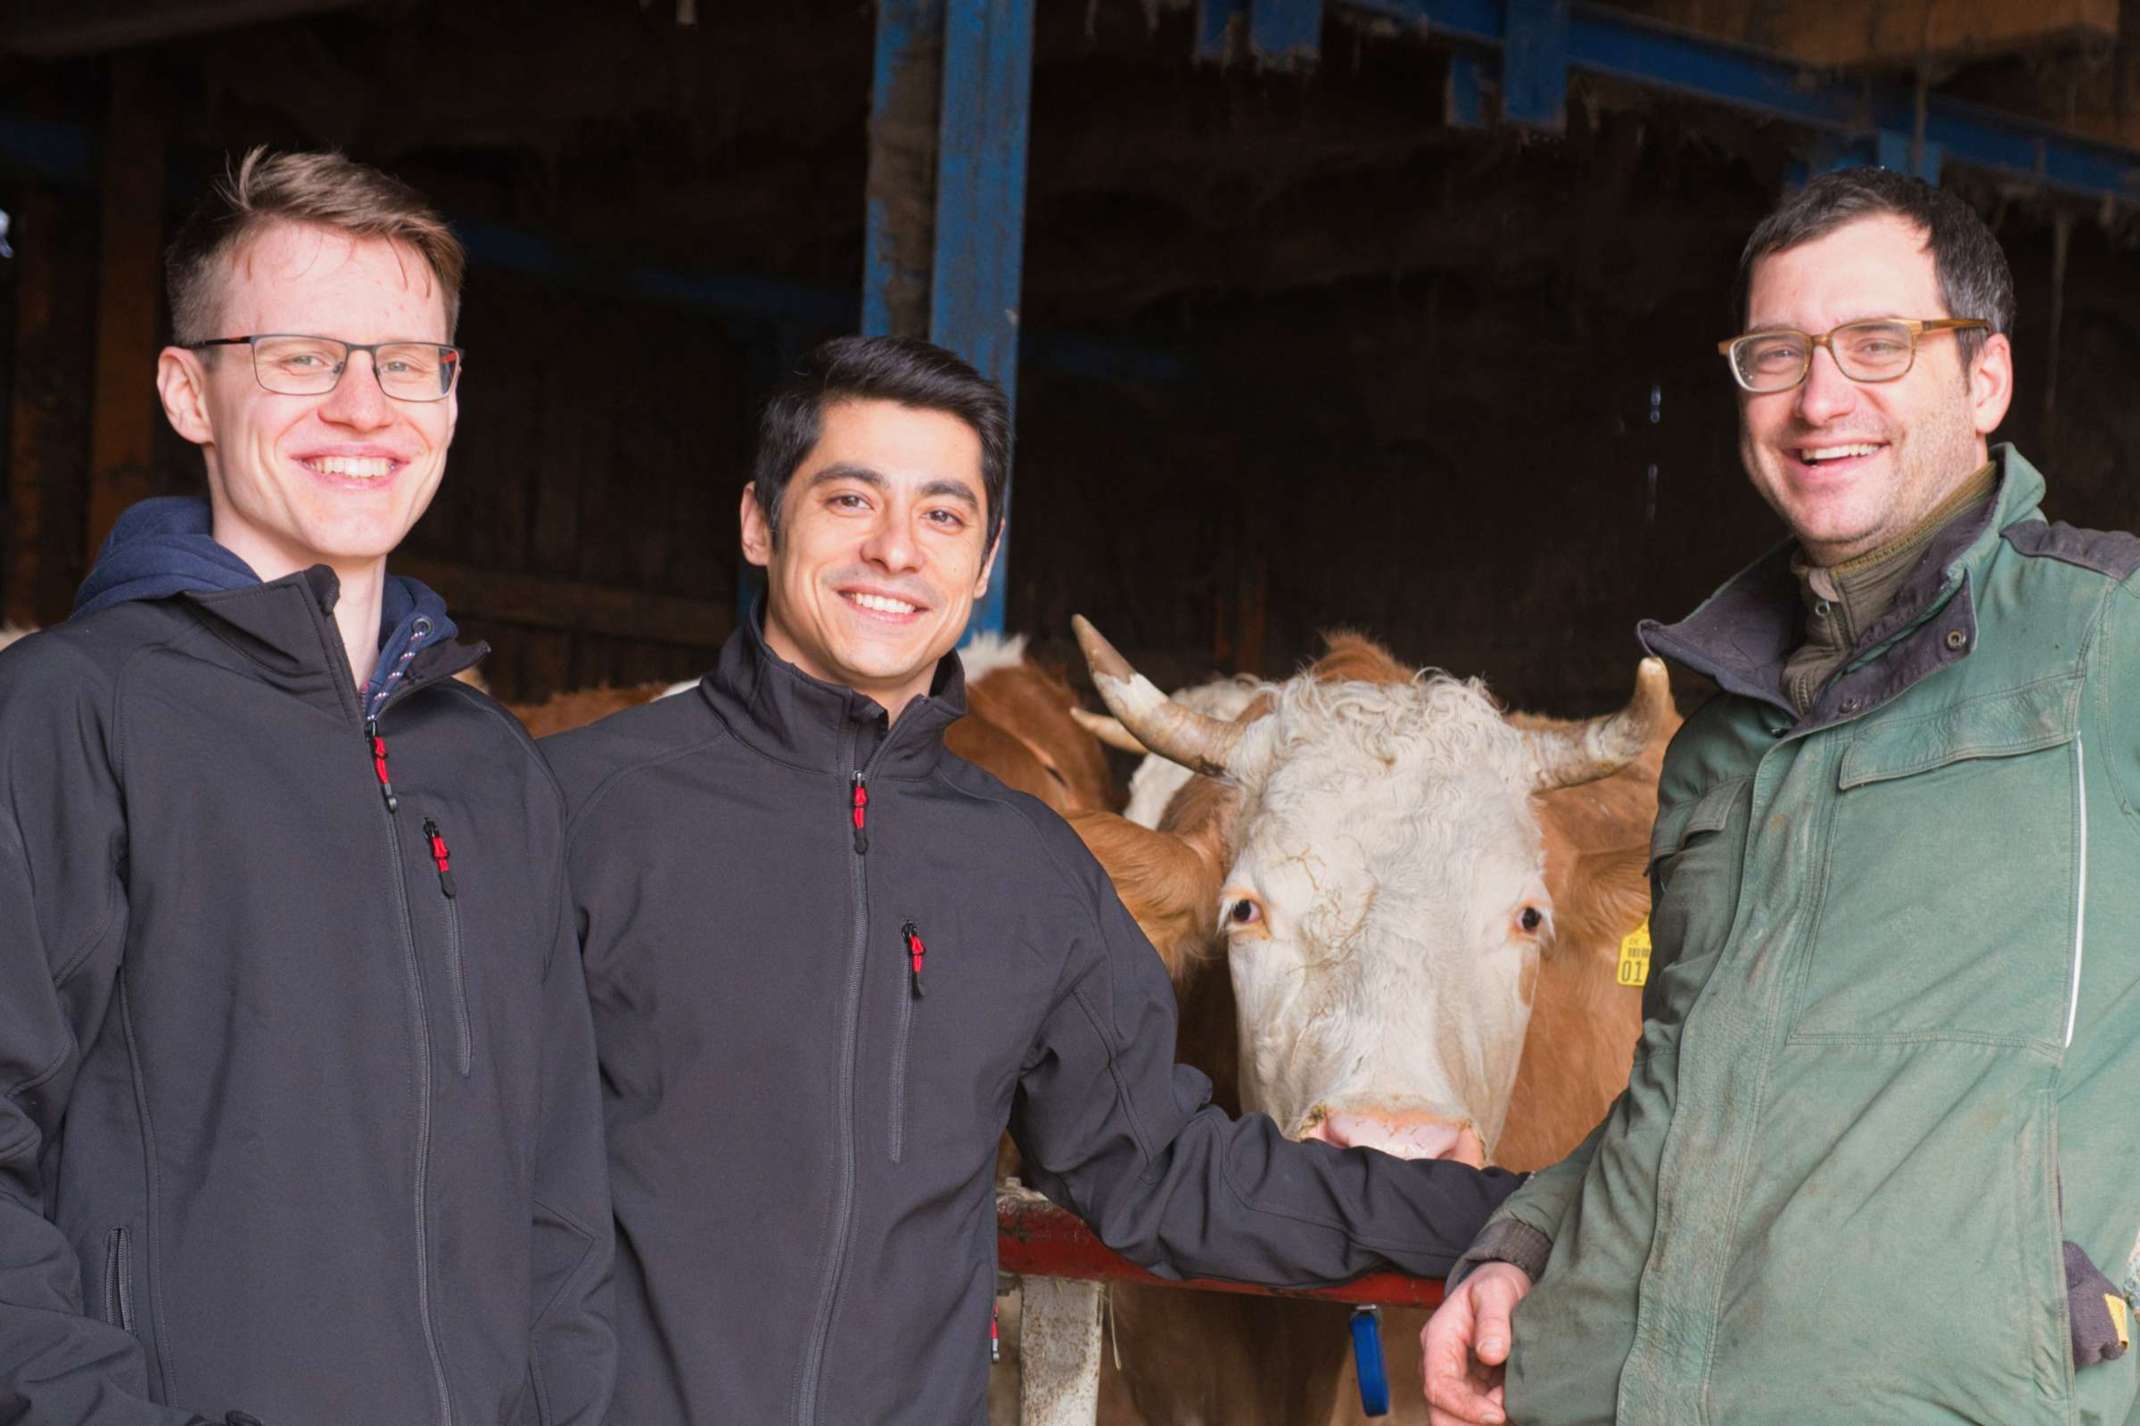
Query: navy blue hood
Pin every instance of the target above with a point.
(162, 547)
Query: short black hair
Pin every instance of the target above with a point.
(1974, 279)
(902, 369)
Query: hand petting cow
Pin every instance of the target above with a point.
(1394, 915)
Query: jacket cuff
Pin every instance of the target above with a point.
(1505, 1240)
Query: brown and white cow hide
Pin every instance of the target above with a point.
(1205, 1358)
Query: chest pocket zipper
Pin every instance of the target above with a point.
(450, 893)
(119, 1279)
(915, 952)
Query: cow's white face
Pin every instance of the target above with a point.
(1384, 915)
(1384, 904)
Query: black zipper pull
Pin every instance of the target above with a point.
(440, 857)
(386, 783)
(861, 814)
(915, 951)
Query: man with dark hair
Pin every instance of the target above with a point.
(830, 962)
(298, 1113)
(1878, 1132)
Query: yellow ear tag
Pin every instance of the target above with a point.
(2116, 1304)
(1635, 955)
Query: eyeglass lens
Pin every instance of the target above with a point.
(310, 366)
(1866, 351)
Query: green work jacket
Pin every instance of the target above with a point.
(1894, 1009)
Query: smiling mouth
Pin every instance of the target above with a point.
(351, 467)
(1830, 455)
(879, 603)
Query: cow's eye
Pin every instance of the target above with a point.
(1530, 919)
(1244, 913)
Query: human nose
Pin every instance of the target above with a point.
(357, 399)
(1826, 393)
(890, 544)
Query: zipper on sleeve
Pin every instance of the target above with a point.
(443, 860)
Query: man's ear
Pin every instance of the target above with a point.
(757, 532)
(182, 385)
(988, 566)
(1991, 383)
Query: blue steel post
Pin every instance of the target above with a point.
(975, 58)
(980, 209)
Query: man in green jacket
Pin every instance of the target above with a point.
(1879, 1132)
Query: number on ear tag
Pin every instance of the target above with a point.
(1635, 955)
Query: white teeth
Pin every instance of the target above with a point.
(362, 467)
(1815, 457)
(881, 604)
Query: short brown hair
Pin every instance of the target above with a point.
(1974, 280)
(319, 189)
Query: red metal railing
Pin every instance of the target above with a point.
(1037, 1239)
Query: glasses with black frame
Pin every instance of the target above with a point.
(292, 365)
(1873, 350)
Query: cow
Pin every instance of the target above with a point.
(1393, 914)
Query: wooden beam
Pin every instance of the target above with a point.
(1889, 33)
(49, 28)
(574, 605)
(123, 417)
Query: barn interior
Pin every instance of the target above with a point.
(1397, 315)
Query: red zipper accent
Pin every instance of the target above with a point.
(861, 814)
(915, 951)
(440, 857)
(386, 783)
(995, 1335)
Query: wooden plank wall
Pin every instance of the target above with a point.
(586, 527)
(587, 522)
(51, 336)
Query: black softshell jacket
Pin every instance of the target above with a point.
(829, 961)
(285, 1127)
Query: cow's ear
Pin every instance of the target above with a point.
(1169, 883)
(1597, 841)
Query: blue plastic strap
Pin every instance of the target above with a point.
(1367, 1361)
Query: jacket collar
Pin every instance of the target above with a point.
(1741, 635)
(286, 626)
(780, 711)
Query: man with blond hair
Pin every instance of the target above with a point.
(298, 1108)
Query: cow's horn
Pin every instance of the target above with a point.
(1599, 747)
(1183, 735)
(1108, 730)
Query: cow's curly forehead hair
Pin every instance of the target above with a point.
(321, 190)
(903, 370)
(1434, 722)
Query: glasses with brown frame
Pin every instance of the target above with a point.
(1877, 349)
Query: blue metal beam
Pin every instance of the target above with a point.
(976, 65)
(1285, 34)
(1214, 28)
(1534, 64)
(1620, 46)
